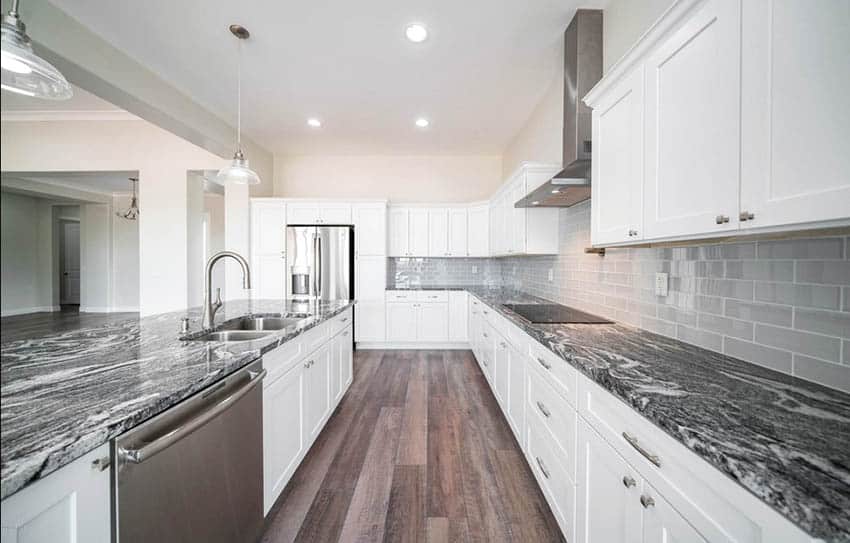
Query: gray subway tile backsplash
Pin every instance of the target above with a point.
(737, 298)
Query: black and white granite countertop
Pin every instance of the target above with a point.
(406, 286)
(64, 395)
(785, 440)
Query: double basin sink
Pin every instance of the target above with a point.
(250, 328)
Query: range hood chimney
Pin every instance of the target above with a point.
(582, 70)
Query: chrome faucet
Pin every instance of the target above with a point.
(210, 306)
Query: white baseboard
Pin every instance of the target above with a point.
(441, 346)
(107, 309)
(124, 309)
(26, 310)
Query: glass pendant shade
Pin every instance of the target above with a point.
(24, 72)
(238, 172)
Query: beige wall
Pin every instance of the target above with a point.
(397, 178)
(623, 22)
(539, 140)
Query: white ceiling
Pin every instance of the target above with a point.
(477, 78)
(81, 101)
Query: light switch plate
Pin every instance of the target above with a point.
(661, 280)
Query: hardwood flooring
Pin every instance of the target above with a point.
(417, 450)
(35, 325)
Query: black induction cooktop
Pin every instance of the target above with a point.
(554, 314)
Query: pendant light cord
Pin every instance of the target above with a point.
(239, 95)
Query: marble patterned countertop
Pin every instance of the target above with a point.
(66, 394)
(786, 440)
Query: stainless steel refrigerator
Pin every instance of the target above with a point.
(320, 263)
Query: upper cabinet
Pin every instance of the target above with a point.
(523, 231)
(319, 213)
(458, 232)
(725, 116)
(408, 234)
(428, 231)
(370, 229)
(438, 232)
(268, 247)
(478, 224)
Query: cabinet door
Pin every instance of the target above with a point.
(500, 371)
(69, 505)
(795, 122)
(283, 432)
(478, 237)
(302, 213)
(432, 322)
(316, 397)
(662, 523)
(370, 278)
(268, 227)
(418, 243)
(336, 213)
(516, 392)
(347, 359)
(401, 321)
(370, 229)
(517, 223)
(370, 321)
(617, 188)
(335, 374)
(269, 276)
(457, 235)
(458, 316)
(438, 232)
(399, 232)
(608, 493)
(692, 126)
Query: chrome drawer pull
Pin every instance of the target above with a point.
(629, 481)
(542, 467)
(503, 344)
(485, 334)
(633, 441)
(544, 363)
(343, 319)
(543, 409)
(646, 501)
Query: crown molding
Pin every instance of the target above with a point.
(69, 115)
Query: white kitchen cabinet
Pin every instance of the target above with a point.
(399, 232)
(458, 316)
(419, 232)
(268, 248)
(692, 138)
(516, 392)
(283, 431)
(335, 370)
(370, 321)
(458, 232)
(370, 280)
(303, 213)
(69, 505)
(521, 231)
(370, 229)
(438, 232)
(795, 123)
(518, 227)
(401, 321)
(432, 322)
(501, 364)
(617, 188)
(347, 360)
(478, 225)
(554, 481)
(662, 523)
(335, 213)
(316, 397)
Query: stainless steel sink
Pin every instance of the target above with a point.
(261, 323)
(233, 335)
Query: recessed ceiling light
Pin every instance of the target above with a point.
(315, 123)
(415, 32)
(422, 122)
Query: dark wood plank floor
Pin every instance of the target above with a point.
(35, 325)
(418, 450)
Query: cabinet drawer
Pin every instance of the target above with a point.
(401, 295)
(556, 370)
(556, 415)
(276, 362)
(340, 321)
(554, 480)
(315, 337)
(432, 296)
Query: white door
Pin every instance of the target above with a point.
(478, 238)
(795, 122)
(370, 229)
(399, 227)
(432, 322)
(401, 321)
(418, 232)
(71, 263)
(517, 214)
(692, 126)
(516, 392)
(302, 213)
(337, 213)
(458, 231)
(438, 232)
(608, 493)
(617, 188)
(662, 523)
(283, 432)
(316, 396)
(458, 316)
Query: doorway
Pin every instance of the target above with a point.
(69, 290)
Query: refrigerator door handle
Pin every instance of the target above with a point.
(319, 267)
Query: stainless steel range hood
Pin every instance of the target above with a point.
(582, 70)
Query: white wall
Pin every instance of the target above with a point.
(539, 140)
(96, 257)
(125, 258)
(397, 178)
(25, 281)
(623, 22)
(194, 239)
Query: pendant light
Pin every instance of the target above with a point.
(238, 171)
(24, 72)
(132, 212)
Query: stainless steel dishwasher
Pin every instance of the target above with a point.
(195, 472)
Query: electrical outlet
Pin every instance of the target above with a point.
(551, 275)
(661, 281)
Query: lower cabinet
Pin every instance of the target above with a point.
(283, 432)
(69, 505)
(317, 375)
(417, 322)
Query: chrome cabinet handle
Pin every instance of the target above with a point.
(101, 464)
(746, 216)
(344, 334)
(542, 467)
(503, 345)
(137, 456)
(721, 219)
(544, 363)
(343, 319)
(485, 335)
(629, 481)
(633, 441)
(632, 233)
(484, 362)
(543, 409)
(646, 501)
